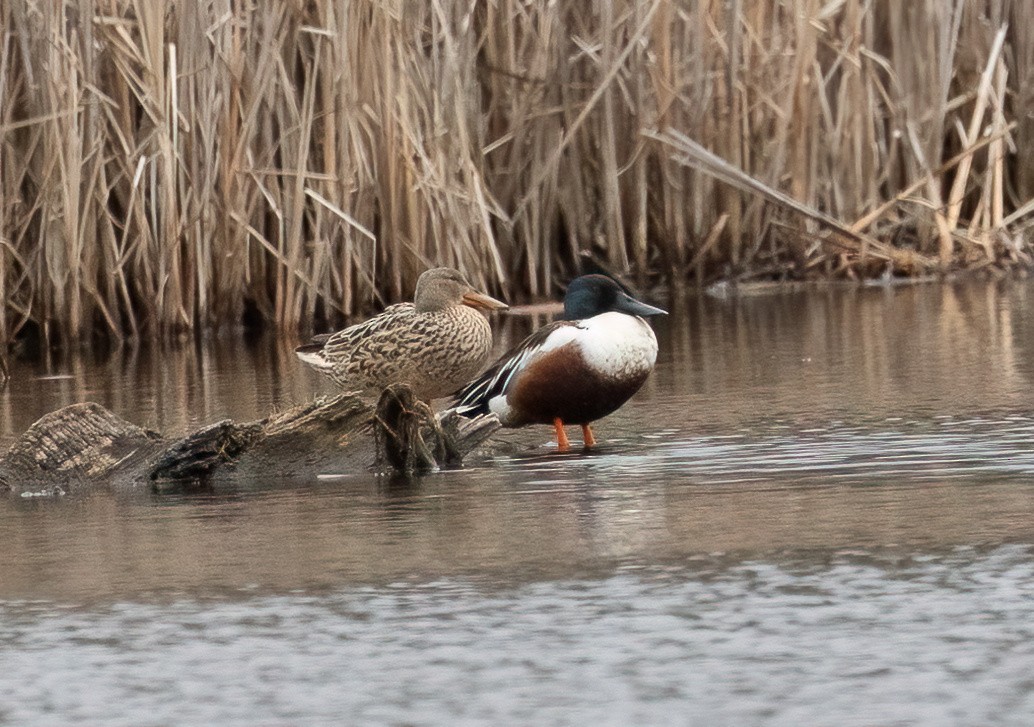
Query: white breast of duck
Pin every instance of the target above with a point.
(614, 345)
(580, 372)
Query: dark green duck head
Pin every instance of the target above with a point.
(590, 295)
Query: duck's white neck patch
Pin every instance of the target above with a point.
(617, 344)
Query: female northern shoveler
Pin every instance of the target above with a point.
(434, 344)
(574, 370)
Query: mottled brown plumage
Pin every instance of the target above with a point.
(435, 344)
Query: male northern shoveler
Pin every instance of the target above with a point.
(572, 371)
(435, 344)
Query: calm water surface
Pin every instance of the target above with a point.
(820, 510)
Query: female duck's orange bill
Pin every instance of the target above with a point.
(486, 302)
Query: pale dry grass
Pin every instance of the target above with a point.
(166, 165)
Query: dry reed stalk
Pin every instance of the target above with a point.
(168, 165)
(692, 154)
(955, 198)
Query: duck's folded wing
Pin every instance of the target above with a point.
(473, 398)
(346, 340)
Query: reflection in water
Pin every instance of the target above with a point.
(170, 387)
(911, 351)
(801, 515)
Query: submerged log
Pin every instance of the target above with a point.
(86, 446)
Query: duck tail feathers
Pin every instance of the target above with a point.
(472, 399)
(312, 354)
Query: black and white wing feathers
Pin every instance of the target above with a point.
(473, 398)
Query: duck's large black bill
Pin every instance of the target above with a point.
(628, 304)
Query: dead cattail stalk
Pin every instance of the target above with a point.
(955, 197)
(692, 154)
(169, 165)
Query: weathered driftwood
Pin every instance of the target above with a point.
(85, 445)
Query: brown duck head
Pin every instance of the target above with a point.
(441, 288)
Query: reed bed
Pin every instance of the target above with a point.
(178, 165)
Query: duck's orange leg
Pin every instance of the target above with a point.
(587, 438)
(562, 445)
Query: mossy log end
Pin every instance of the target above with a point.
(86, 446)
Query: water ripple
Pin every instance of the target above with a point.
(860, 639)
(948, 448)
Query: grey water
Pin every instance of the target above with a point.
(819, 510)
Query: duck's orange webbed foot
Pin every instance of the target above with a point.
(587, 438)
(562, 444)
